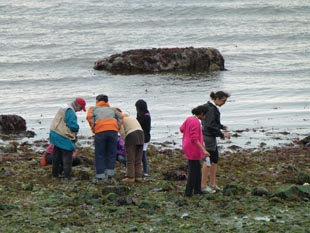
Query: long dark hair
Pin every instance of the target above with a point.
(141, 107)
(219, 95)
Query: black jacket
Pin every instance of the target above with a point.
(211, 125)
(145, 122)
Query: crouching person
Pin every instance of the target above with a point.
(121, 153)
(47, 157)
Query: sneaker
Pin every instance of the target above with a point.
(217, 188)
(145, 174)
(208, 190)
(128, 180)
(96, 180)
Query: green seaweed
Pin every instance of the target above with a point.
(256, 185)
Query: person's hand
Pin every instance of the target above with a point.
(227, 135)
(206, 153)
(74, 155)
(76, 138)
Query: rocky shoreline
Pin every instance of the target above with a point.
(264, 191)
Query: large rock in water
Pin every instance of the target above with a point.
(12, 123)
(163, 60)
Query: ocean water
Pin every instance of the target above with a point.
(48, 49)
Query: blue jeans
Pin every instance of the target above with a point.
(105, 153)
(145, 163)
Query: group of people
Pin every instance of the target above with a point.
(111, 126)
(114, 131)
(199, 142)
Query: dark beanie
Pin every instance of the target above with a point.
(102, 98)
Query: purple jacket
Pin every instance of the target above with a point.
(192, 132)
(120, 146)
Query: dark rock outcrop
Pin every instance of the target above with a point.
(14, 127)
(163, 60)
(12, 123)
(305, 142)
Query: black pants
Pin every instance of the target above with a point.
(62, 160)
(49, 160)
(194, 178)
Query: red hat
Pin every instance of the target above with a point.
(82, 103)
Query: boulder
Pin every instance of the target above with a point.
(303, 178)
(156, 60)
(305, 142)
(12, 123)
(233, 189)
(293, 193)
(175, 175)
(260, 191)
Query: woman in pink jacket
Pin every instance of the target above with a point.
(193, 148)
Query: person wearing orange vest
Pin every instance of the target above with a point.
(105, 123)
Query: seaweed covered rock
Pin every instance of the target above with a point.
(13, 127)
(163, 60)
(293, 193)
(305, 140)
(303, 178)
(174, 175)
(233, 189)
(260, 191)
(12, 123)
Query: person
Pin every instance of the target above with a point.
(63, 135)
(212, 128)
(144, 118)
(120, 152)
(132, 133)
(105, 123)
(47, 157)
(193, 148)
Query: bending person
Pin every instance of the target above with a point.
(63, 135)
(105, 123)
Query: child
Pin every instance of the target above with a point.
(120, 152)
(47, 157)
(193, 148)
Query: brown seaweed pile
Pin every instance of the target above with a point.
(264, 191)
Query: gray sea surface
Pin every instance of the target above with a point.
(48, 48)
